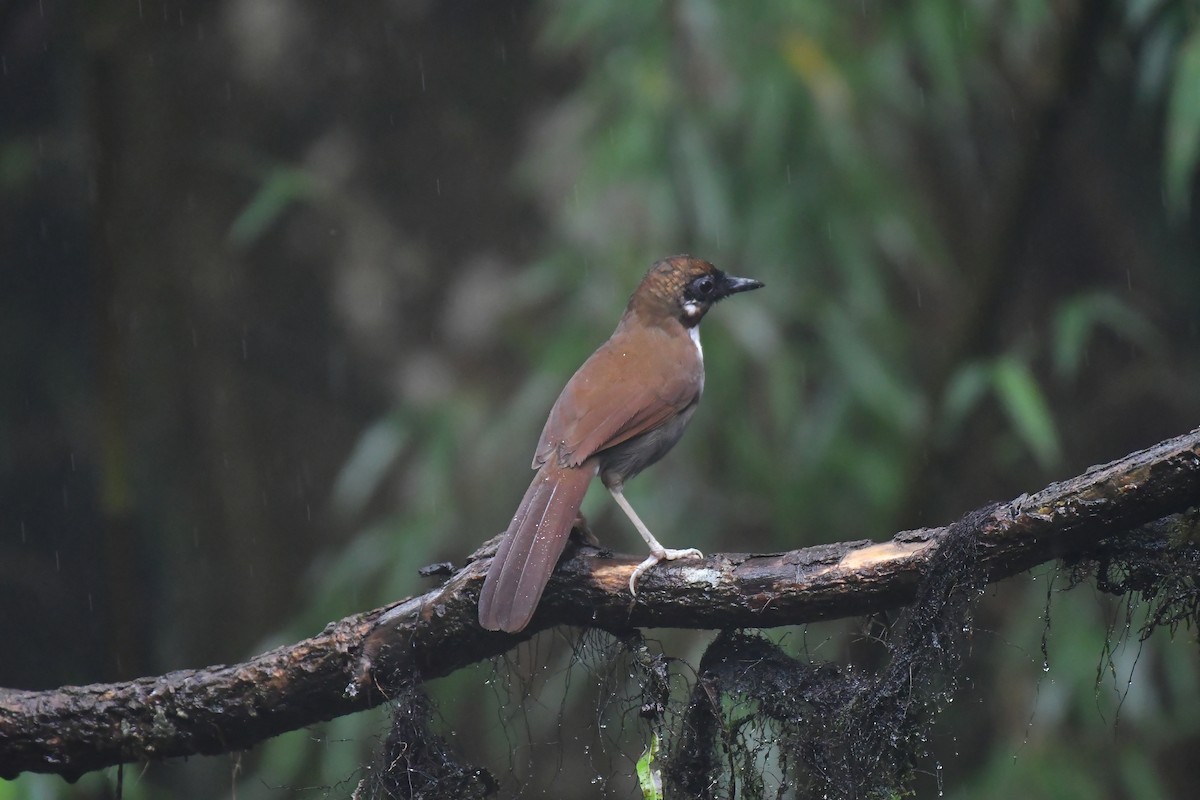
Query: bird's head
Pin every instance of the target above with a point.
(685, 288)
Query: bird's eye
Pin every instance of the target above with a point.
(704, 285)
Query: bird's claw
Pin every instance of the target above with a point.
(654, 558)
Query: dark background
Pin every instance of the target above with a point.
(286, 290)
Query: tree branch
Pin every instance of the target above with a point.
(352, 664)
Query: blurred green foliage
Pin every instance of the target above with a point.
(1183, 125)
(977, 230)
(790, 142)
(279, 190)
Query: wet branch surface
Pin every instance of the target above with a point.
(358, 662)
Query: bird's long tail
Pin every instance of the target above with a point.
(529, 552)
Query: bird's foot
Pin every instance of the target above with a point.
(655, 557)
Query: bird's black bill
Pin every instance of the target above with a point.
(731, 285)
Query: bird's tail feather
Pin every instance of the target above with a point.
(529, 552)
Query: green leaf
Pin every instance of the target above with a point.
(1027, 410)
(1077, 318)
(282, 187)
(374, 453)
(1183, 126)
(965, 389)
(939, 28)
(648, 772)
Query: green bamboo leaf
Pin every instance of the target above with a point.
(1072, 328)
(1183, 126)
(939, 28)
(648, 772)
(282, 188)
(374, 453)
(967, 386)
(1078, 318)
(1026, 408)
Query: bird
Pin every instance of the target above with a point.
(621, 411)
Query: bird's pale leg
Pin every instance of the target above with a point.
(657, 551)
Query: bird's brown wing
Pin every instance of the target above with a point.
(594, 413)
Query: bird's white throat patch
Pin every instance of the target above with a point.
(694, 332)
(691, 309)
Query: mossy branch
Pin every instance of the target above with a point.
(357, 662)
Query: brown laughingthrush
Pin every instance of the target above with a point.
(620, 412)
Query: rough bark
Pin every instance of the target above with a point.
(356, 662)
